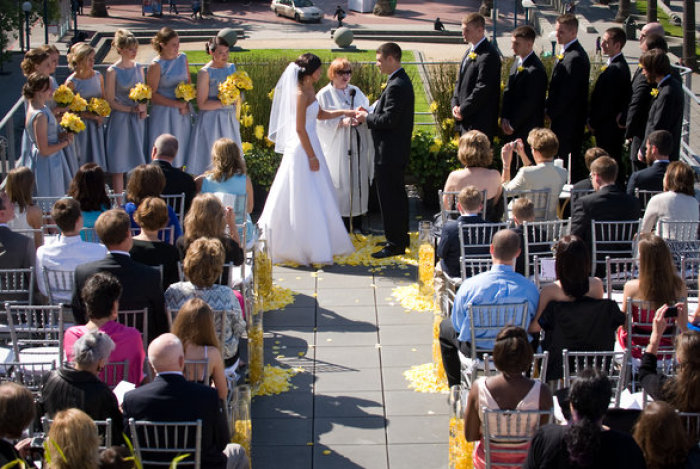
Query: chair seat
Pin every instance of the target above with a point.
(39, 355)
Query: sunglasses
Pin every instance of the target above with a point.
(345, 72)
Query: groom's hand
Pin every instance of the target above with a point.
(361, 115)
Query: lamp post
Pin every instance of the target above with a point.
(46, 21)
(527, 4)
(27, 8)
(553, 40)
(74, 11)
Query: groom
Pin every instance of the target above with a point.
(391, 123)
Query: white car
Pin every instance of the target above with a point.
(300, 10)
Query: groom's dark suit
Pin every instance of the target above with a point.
(392, 124)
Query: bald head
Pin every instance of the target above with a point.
(505, 247)
(651, 28)
(165, 147)
(166, 353)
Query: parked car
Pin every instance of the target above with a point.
(300, 10)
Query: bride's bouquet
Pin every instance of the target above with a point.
(99, 107)
(185, 92)
(72, 123)
(63, 96)
(78, 104)
(141, 93)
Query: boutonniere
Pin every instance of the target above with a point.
(603, 68)
(382, 86)
(560, 57)
(520, 68)
(472, 55)
(654, 92)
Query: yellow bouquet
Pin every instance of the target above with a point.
(185, 91)
(100, 107)
(63, 96)
(242, 81)
(228, 91)
(141, 93)
(79, 104)
(72, 123)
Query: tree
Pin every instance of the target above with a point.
(10, 22)
(623, 11)
(99, 8)
(206, 7)
(689, 55)
(651, 12)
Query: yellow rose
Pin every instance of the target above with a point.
(246, 120)
(79, 104)
(472, 56)
(560, 57)
(382, 86)
(247, 147)
(268, 142)
(141, 93)
(654, 92)
(63, 96)
(72, 123)
(603, 68)
(242, 80)
(185, 92)
(520, 68)
(259, 132)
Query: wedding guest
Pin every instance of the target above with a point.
(177, 181)
(166, 71)
(194, 326)
(475, 154)
(17, 251)
(17, 412)
(74, 432)
(522, 210)
(148, 180)
(51, 150)
(116, 457)
(88, 188)
(660, 434)
(341, 137)
(215, 120)
(88, 82)
(677, 202)
(19, 186)
(589, 157)
(651, 178)
(128, 117)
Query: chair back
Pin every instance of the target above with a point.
(197, 370)
(223, 279)
(478, 266)
(613, 364)
(30, 375)
(677, 230)
(508, 433)
(475, 242)
(537, 370)
(618, 272)
(166, 235)
(644, 196)
(138, 319)
(104, 428)
(114, 373)
(690, 272)
(17, 285)
(538, 197)
(539, 238)
(33, 234)
(36, 327)
(46, 204)
(640, 321)
(487, 320)
(58, 284)
(177, 203)
(448, 205)
(116, 199)
(157, 443)
(613, 239)
(691, 422)
(89, 235)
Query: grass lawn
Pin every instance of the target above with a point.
(670, 28)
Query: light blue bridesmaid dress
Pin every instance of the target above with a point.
(212, 125)
(51, 173)
(166, 119)
(89, 144)
(124, 136)
(26, 144)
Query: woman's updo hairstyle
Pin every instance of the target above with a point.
(512, 353)
(124, 39)
(35, 83)
(78, 54)
(162, 37)
(32, 59)
(308, 63)
(215, 42)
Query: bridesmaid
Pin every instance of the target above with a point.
(50, 149)
(168, 114)
(90, 144)
(35, 60)
(127, 118)
(215, 120)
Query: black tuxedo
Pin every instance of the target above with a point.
(666, 113)
(170, 398)
(478, 90)
(392, 125)
(567, 104)
(637, 114)
(177, 182)
(610, 98)
(8, 453)
(141, 289)
(16, 252)
(524, 96)
(649, 179)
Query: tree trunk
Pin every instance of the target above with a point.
(485, 8)
(206, 7)
(651, 12)
(689, 56)
(99, 8)
(383, 8)
(623, 11)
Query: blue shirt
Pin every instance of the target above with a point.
(501, 285)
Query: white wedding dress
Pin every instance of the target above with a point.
(301, 209)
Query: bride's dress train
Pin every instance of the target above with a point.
(301, 209)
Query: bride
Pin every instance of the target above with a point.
(301, 211)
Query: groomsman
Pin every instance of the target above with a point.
(567, 102)
(524, 95)
(478, 87)
(610, 98)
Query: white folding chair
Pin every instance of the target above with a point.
(448, 205)
(36, 332)
(640, 321)
(538, 368)
(613, 364)
(475, 242)
(157, 443)
(30, 375)
(197, 370)
(539, 239)
(508, 432)
(690, 272)
(617, 273)
(452, 284)
(104, 429)
(46, 205)
(89, 235)
(691, 422)
(35, 234)
(138, 319)
(677, 230)
(58, 285)
(17, 285)
(614, 239)
(116, 199)
(177, 203)
(644, 196)
(114, 373)
(538, 197)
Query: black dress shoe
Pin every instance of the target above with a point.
(388, 251)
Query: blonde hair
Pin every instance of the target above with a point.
(475, 150)
(204, 262)
(469, 198)
(523, 209)
(124, 39)
(194, 324)
(205, 218)
(78, 54)
(75, 433)
(32, 59)
(226, 160)
(544, 141)
(340, 63)
(152, 214)
(162, 37)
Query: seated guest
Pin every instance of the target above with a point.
(585, 442)
(88, 188)
(469, 204)
(19, 186)
(194, 326)
(16, 413)
(203, 266)
(543, 175)
(152, 216)
(658, 284)
(683, 390)
(66, 251)
(170, 397)
(572, 312)
(475, 154)
(16, 251)
(523, 210)
(75, 442)
(147, 180)
(78, 385)
(141, 283)
(659, 146)
(501, 285)
(509, 390)
(101, 295)
(176, 180)
(660, 434)
(116, 457)
(589, 157)
(677, 203)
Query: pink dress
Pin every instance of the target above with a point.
(128, 347)
(531, 401)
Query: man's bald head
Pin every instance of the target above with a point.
(651, 28)
(166, 353)
(165, 147)
(505, 246)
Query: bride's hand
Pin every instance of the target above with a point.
(313, 164)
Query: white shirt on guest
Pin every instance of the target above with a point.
(65, 253)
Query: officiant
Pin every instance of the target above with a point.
(347, 146)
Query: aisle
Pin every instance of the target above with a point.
(351, 407)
